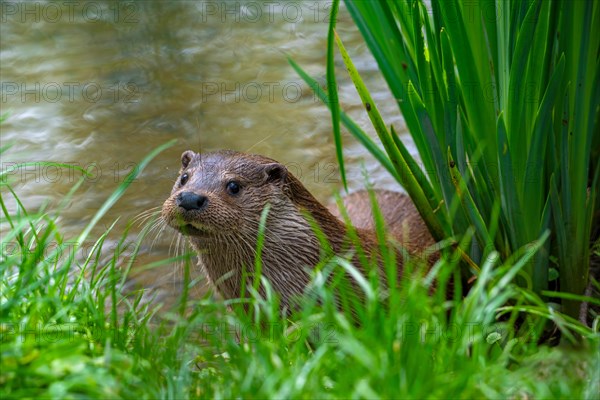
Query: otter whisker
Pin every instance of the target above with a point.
(144, 215)
(157, 228)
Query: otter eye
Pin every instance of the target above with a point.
(184, 179)
(233, 187)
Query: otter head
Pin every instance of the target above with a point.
(217, 203)
(223, 194)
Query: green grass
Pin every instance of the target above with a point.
(70, 329)
(502, 102)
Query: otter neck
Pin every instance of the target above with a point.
(290, 248)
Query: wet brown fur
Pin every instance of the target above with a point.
(226, 232)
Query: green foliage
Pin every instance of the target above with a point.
(502, 102)
(70, 328)
(57, 339)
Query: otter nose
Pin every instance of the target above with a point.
(192, 201)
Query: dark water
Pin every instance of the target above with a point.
(100, 84)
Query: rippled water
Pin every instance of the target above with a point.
(100, 84)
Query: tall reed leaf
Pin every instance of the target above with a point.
(502, 101)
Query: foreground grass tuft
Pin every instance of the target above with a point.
(70, 329)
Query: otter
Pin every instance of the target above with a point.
(219, 197)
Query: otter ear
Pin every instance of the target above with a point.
(275, 172)
(186, 157)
